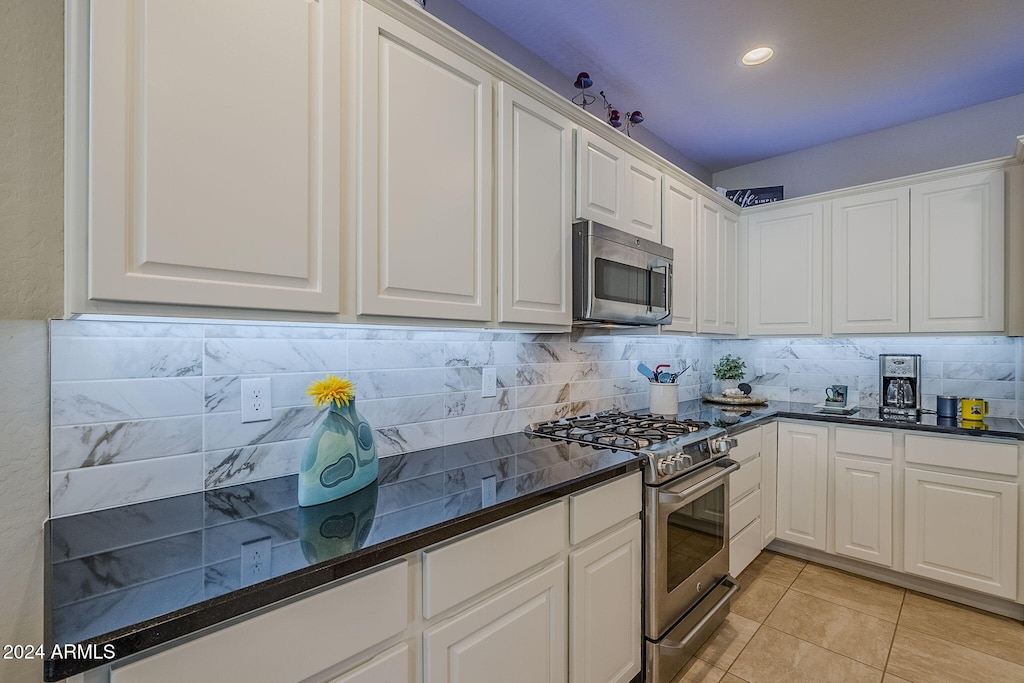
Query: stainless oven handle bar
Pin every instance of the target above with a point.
(680, 644)
(674, 498)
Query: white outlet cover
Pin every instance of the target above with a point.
(257, 405)
(490, 383)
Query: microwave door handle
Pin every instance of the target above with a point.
(666, 267)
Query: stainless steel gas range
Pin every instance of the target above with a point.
(687, 587)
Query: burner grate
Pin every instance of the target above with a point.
(614, 429)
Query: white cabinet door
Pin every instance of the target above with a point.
(214, 167)
(534, 211)
(785, 259)
(600, 180)
(957, 237)
(679, 228)
(604, 608)
(863, 510)
(961, 530)
(518, 635)
(643, 200)
(803, 484)
(718, 270)
(769, 479)
(426, 181)
(871, 263)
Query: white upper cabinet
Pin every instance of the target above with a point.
(214, 162)
(680, 232)
(871, 263)
(717, 270)
(600, 180)
(643, 200)
(957, 234)
(534, 211)
(425, 220)
(785, 259)
(615, 188)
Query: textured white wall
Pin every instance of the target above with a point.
(985, 131)
(31, 159)
(31, 291)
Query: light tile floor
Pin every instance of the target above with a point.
(795, 621)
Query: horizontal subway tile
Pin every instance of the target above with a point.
(458, 404)
(251, 463)
(282, 331)
(124, 399)
(458, 429)
(409, 437)
(371, 384)
(87, 358)
(542, 394)
(471, 379)
(387, 412)
(257, 356)
(114, 328)
(111, 442)
(479, 353)
(226, 430)
(372, 355)
(107, 486)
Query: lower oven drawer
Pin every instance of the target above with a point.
(666, 656)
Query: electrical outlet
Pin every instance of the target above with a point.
(256, 403)
(490, 383)
(489, 490)
(759, 368)
(256, 561)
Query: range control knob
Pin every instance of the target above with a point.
(725, 445)
(664, 466)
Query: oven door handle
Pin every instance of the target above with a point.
(680, 644)
(668, 498)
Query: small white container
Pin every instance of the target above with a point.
(665, 398)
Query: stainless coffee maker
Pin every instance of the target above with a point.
(899, 379)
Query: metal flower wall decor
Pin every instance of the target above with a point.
(615, 118)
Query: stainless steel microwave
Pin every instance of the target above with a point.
(618, 278)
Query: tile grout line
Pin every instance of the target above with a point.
(888, 655)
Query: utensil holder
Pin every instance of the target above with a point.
(665, 398)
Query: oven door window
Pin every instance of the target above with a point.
(614, 281)
(696, 533)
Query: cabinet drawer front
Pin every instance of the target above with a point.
(869, 442)
(745, 479)
(389, 667)
(460, 570)
(599, 508)
(975, 455)
(289, 643)
(744, 512)
(744, 547)
(748, 444)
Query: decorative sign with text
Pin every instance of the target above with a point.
(755, 195)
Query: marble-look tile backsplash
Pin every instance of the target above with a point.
(143, 410)
(800, 369)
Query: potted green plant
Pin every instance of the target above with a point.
(729, 371)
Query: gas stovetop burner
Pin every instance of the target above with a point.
(671, 447)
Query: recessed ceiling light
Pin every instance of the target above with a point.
(759, 55)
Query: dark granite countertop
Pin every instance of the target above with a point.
(126, 579)
(737, 420)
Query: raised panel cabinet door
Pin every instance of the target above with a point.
(871, 263)
(957, 238)
(961, 530)
(717, 270)
(425, 213)
(769, 480)
(863, 510)
(786, 262)
(803, 484)
(214, 162)
(643, 200)
(679, 229)
(600, 180)
(604, 608)
(518, 635)
(534, 211)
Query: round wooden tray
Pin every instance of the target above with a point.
(735, 400)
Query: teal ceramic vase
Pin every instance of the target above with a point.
(334, 529)
(340, 457)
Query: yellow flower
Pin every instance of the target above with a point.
(334, 390)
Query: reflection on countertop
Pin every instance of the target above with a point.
(140, 575)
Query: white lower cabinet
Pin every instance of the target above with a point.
(517, 635)
(746, 500)
(863, 514)
(391, 666)
(803, 484)
(604, 608)
(769, 481)
(962, 530)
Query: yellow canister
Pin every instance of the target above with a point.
(973, 408)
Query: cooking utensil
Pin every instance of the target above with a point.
(646, 372)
